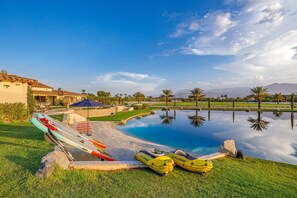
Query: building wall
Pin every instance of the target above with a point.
(41, 89)
(100, 112)
(16, 92)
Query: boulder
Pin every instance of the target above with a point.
(229, 147)
(50, 161)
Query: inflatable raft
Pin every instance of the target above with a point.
(161, 164)
(70, 140)
(187, 161)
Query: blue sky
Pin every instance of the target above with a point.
(129, 46)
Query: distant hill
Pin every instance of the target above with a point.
(284, 88)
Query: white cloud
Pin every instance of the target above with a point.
(262, 37)
(185, 28)
(127, 82)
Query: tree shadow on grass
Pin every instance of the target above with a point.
(20, 145)
(31, 161)
(20, 132)
(27, 164)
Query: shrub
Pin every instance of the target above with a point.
(141, 106)
(137, 106)
(13, 111)
(145, 106)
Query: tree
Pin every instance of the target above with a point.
(30, 101)
(83, 91)
(292, 101)
(278, 97)
(4, 71)
(259, 93)
(197, 94)
(59, 89)
(150, 99)
(139, 96)
(167, 94)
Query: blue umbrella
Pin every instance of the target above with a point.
(87, 103)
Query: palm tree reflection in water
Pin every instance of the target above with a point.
(258, 124)
(196, 120)
(166, 118)
(292, 120)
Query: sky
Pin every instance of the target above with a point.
(150, 45)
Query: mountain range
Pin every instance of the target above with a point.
(284, 88)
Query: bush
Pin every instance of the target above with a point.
(141, 106)
(145, 106)
(137, 106)
(13, 111)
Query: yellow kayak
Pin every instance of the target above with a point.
(190, 163)
(161, 164)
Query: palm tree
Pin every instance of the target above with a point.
(258, 124)
(197, 94)
(279, 97)
(83, 91)
(139, 96)
(166, 119)
(259, 93)
(196, 120)
(167, 94)
(150, 99)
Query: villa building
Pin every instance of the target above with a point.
(14, 89)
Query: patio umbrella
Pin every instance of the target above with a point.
(87, 103)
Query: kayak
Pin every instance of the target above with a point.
(189, 162)
(45, 119)
(161, 164)
(70, 140)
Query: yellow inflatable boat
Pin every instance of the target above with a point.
(188, 162)
(161, 164)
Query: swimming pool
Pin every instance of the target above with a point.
(267, 135)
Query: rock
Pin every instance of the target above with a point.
(228, 147)
(240, 155)
(46, 169)
(50, 161)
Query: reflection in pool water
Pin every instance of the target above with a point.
(265, 135)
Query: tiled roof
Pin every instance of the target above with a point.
(56, 93)
(40, 85)
(15, 78)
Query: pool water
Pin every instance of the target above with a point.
(267, 135)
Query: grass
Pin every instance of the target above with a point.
(120, 115)
(22, 147)
(58, 117)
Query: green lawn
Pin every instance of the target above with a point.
(224, 104)
(120, 115)
(22, 147)
(58, 117)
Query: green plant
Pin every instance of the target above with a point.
(139, 96)
(145, 106)
(259, 93)
(197, 94)
(167, 94)
(13, 111)
(30, 101)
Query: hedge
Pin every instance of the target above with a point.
(13, 111)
